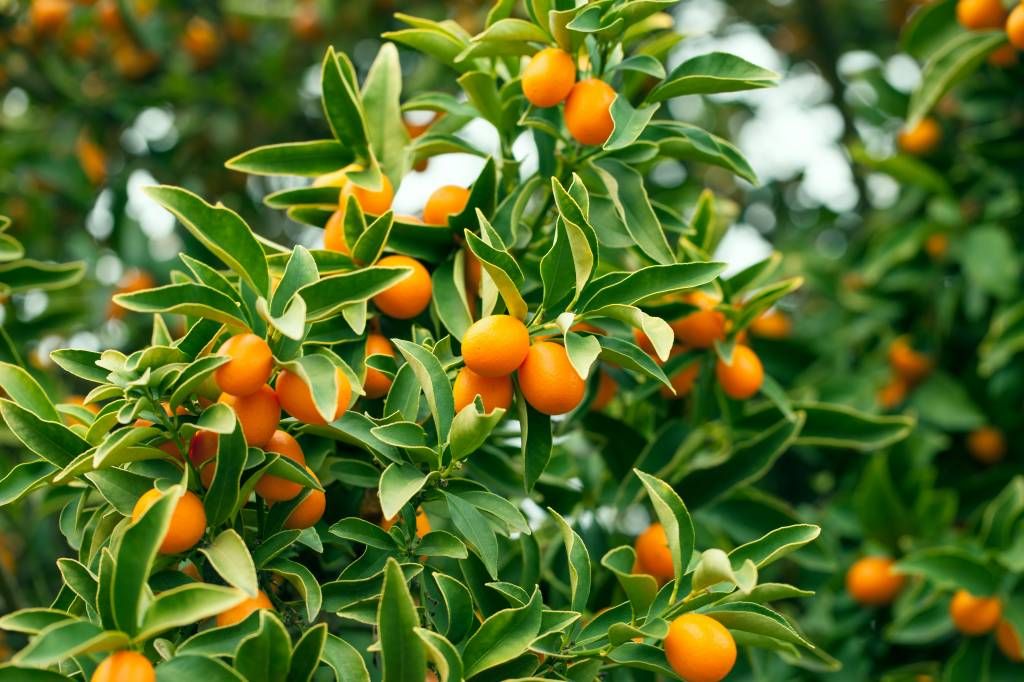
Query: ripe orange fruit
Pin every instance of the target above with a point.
(652, 553)
(1015, 27)
(445, 202)
(682, 381)
(297, 400)
(936, 245)
(548, 380)
(201, 41)
(49, 16)
(699, 648)
(373, 202)
(472, 274)
(422, 522)
(409, 297)
(132, 61)
(306, 23)
(607, 387)
(977, 15)
(274, 488)
(643, 342)
(987, 444)
(548, 77)
(124, 666)
(202, 447)
(91, 158)
(588, 111)
(258, 414)
(871, 581)
(309, 511)
(249, 366)
(495, 345)
(1009, 642)
(743, 378)
(188, 521)
(701, 328)
(192, 571)
(494, 392)
(241, 611)
(772, 324)
(334, 233)
(922, 138)
(892, 394)
(975, 615)
(1004, 56)
(133, 280)
(377, 383)
(907, 363)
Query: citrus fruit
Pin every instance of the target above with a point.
(188, 520)
(977, 15)
(701, 328)
(297, 400)
(548, 380)
(258, 414)
(373, 202)
(872, 581)
(334, 233)
(275, 488)
(699, 648)
(377, 383)
(409, 297)
(1015, 27)
(548, 77)
(974, 616)
(249, 364)
(1008, 641)
(588, 111)
(241, 611)
(310, 509)
(987, 444)
(922, 138)
(742, 378)
(495, 345)
(124, 666)
(653, 556)
(494, 392)
(445, 202)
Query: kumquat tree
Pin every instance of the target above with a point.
(537, 425)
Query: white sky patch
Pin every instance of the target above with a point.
(741, 247)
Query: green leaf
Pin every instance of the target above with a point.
(196, 300)
(381, 95)
(711, 73)
(688, 142)
(191, 667)
(398, 484)
(307, 653)
(265, 656)
(442, 543)
(26, 392)
(443, 654)
(304, 582)
(579, 564)
(502, 637)
(649, 282)
(402, 657)
(312, 158)
(344, 660)
(229, 556)
(327, 296)
(757, 620)
(24, 478)
(51, 440)
(625, 186)
(364, 532)
(342, 107)
(629, 122)
(33, 620)
(186, 605)
(944, 402)
(674, 518)
(954, 61)
(65, 639)
(437, 389)
(536, 443)
(775, 545)
(951, 568)
(25, 274)
(640, 588)
(472, 525)
(990, 261)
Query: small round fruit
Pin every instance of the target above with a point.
(495, 345)
(241, 611)
(1015, 27)
(771, 324)
(494, 392)
(297, 400)
(409, 297)
(922, 138)
(548, 380)
(1009, 642)
(202, 447)
(871, 581)
(422, 522)
(445, 202)
(975, 616)
(248, 367)
(258, 413)
(978, 15)
(377, 383)
(334, 233)
(701, 328)
(373, 202)
(907, 363)
(49, 16)
(699, 648)
(607, 388)
(987, 444)
(588, 111)
(548, 77)
(743, 378)
(892, 394)
(653, 556)
(188, 520)
(310, 509)
(275, 488)
(124, 666)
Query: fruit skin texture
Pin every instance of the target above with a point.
(496, 345)
(699, 648)
(49, 16)
(652, 553)
(274, 488)
(309, 511)
(239, 612)
(297, 399)
(445, 202)
(422, 522)
(976, 15)
(494, 392)
(1009, 642)
(975, 615)
(409, 297)
(772, 324)
(548, 380)
(907, 363)
(124, 666)
(922, 138)
(588, 111)
(743, 378)
(249, 367)
(701, 328)
(334, 233)
(1015, 27)
(258, 413)
(548, 77)
(987, 445)
(377, 383)
(188, 521)
(871, 581)
(373, 202)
